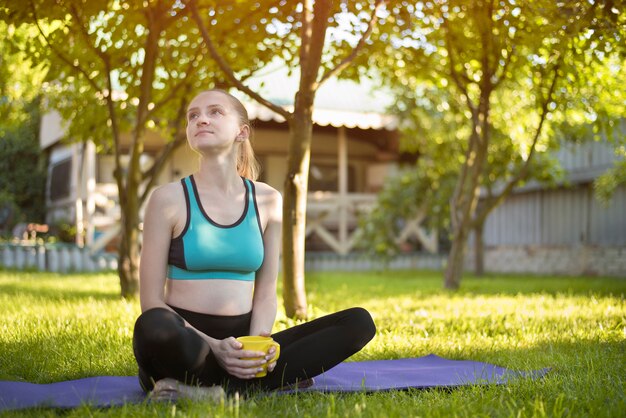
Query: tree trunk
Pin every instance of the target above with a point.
(456, 259)
(315, 17)
(294, 215)
(462, 211)
(128, 264)
(479, 250)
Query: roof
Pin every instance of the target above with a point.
(337, 102)
(329, 117)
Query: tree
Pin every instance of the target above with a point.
(506, 68)
(117, 70)
(297, 33)
(434, 131)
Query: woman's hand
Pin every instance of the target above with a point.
(271, 354)
(236, 361)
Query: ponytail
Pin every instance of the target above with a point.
(247, 164)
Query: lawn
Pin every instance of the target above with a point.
(57, 327)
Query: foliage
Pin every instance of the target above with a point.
(486, 88)
(21, 77)
(21, 163)
(62, 231)
(119, 71)
(593, 96)
(58, 327)
(8, 211)
(606, 184)
(22, 166)
(420, 188)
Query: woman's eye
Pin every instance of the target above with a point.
(193, 116)
(216, 112)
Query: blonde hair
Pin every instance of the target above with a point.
(247, 164)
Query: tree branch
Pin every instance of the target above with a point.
(227, 69)
(58, 53)
(153, 172)
(171, 146)
(457, 77)
(85, 35)
(347, 60)
(524, 170)
(108, 97)
(117, 174)
(505, 67)
(175, 89)
(486, 34)
(315, 16)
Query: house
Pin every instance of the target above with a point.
(353, 150)
(561, 230)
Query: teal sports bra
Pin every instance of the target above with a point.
(208, 250)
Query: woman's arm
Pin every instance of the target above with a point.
(160, 219)
(264, 303)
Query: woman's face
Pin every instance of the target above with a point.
(213, 124)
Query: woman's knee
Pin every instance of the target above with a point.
(361, 321)
(158, 326)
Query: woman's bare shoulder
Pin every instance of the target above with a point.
(270, 201)
(168, 195)
(265, 191)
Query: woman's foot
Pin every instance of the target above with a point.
(301, 384)
(172, 390)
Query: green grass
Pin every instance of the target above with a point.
(57, 327)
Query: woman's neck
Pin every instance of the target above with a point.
(219, 174)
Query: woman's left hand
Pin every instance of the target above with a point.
(270, 354)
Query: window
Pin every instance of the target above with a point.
(60, 180)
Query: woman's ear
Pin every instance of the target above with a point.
(244, 133)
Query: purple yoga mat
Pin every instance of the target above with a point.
(419, 373)
(369, 376)
(98, 391)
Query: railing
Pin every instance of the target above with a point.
(107, 210)
(334, 218)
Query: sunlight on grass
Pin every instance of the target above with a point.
(55, 327)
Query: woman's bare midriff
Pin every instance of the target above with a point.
(213, 296)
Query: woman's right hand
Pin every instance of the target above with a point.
(231, 356)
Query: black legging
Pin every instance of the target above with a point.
(164, 347)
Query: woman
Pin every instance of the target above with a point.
(208, 273)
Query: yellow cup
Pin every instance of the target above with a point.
(259, 343)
